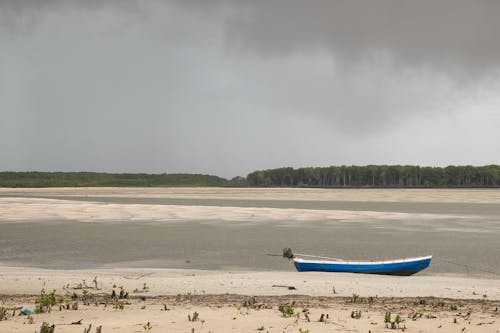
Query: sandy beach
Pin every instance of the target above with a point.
(249, 301)
(138, 241)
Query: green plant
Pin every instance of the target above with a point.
(250, 302)
(398, 320)
(194, 317)
(392, 324)
(119, 305)
(287, 310)
(46, 301)
(3, 313)
(45, 328)
(354, 298)
(147, 327)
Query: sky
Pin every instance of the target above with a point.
(228, 87)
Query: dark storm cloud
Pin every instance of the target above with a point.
(449, 35)
(226, 87)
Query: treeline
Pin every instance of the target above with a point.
(333, 176)
(94, 179)
(379, 176)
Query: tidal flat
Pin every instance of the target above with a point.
(236, 228)
(180, 251)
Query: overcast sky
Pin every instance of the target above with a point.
(228, 87)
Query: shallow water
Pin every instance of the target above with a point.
(460, 235)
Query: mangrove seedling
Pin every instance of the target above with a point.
(287, 310)
(194, 317)
(147, 327)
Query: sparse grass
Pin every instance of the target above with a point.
(392, 323)
(184, 297)
(120, 305)
(144, 289)
(194, 317)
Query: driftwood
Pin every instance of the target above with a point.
(283, 286)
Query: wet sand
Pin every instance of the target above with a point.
(219, 229)
(307, 194)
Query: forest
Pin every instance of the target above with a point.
(404, 176)
(94, 179)
(379, 176)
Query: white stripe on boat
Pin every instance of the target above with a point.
(346, 262)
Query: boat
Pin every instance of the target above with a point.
(403, 267)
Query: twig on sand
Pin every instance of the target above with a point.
(138, 277)
(283, 286)
(78, 322)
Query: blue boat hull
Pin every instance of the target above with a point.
(404, 267)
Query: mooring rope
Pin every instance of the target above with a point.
(467, 266)
(318, 257)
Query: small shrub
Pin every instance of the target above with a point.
(287, 310)
(46, 301)
(392, 324)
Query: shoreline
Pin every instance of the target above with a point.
(163, 282)
(444, 195)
